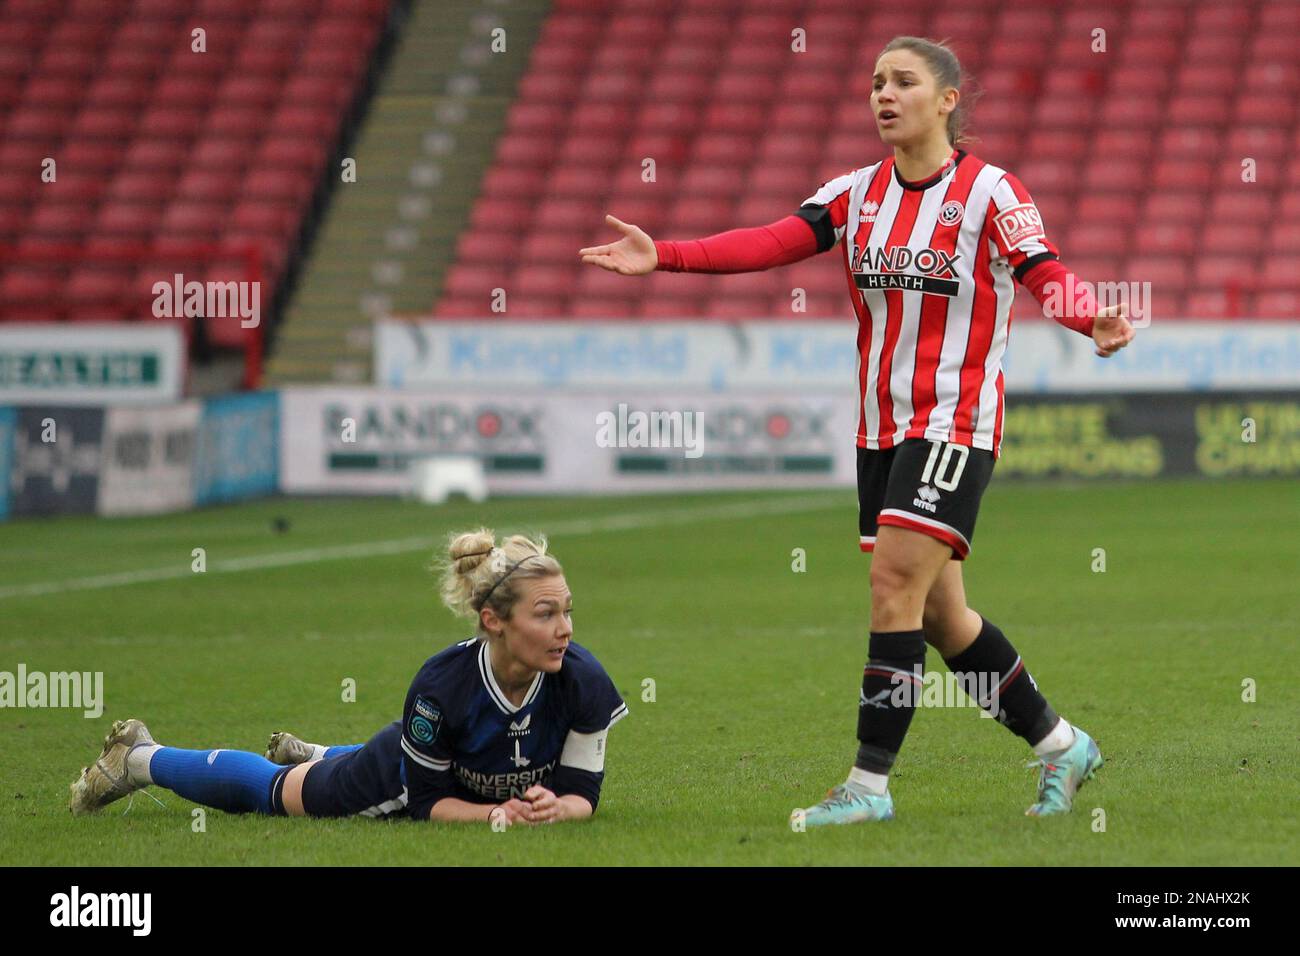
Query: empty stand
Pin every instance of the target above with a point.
(168, 158)
(1135, 154)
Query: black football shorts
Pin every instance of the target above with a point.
(928, 486)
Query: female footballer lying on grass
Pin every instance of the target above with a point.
(932, 238)
(506, 727)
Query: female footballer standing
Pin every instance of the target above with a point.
(932, 238)
(506, 727)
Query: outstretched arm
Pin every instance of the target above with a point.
(1108, 327)
(739, 250)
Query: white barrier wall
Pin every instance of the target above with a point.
(1043, 357)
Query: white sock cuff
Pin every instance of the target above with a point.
(1060, 738)
(876, 783)
(137, 764)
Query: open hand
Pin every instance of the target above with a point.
(633, 255)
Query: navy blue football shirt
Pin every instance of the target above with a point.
(462, 738)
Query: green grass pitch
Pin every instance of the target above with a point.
(756, 669)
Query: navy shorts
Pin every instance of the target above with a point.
(928, 486)
(366, 781)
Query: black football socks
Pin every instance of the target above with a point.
(891, 689)
(994, 676)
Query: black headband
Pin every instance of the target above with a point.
(513, 567)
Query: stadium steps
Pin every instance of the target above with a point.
(326, 335)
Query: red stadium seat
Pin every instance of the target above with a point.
(1284, 238)
(1224, 271)
(143, 187)
(159, 154)
(1240, 205)
(42, 122)
(647, 213)
(230, 122)
(1173, 209)
(1204, 79)
(285, 152)
(1097, 209)
(701, 216)
(1167, 271)
(1109, 145)
(1188, 143)
(1150, 49)
(1276, 305)
(1164, 238)
(200, 221)
(1158, 20)
(1121, 176)
(1280, 273)
(127, 221)
(543, 280)
(306, 121)
(1215, 303)
(278, 185)
(661, 307)
(1100, 239)
(1214, 49)
(102, 157)
(1182, 174)
(1130, 113)
(118, 123)
(1098, 268)
(598, 282)
(172, 123)
(571, 214)
(1047, 176)
(1056, 144)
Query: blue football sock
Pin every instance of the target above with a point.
(341, 749)
(231, 780)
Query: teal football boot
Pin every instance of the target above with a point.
(845, 805)
(1063, 775)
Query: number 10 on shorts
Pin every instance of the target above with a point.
(946, 466)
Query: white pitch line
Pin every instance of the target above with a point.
(371, 549)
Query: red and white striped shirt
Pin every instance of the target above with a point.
(930, 268)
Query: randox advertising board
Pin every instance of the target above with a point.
(356, 440)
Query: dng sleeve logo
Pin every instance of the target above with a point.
(1019, 224)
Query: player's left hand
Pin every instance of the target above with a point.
(546, 806)
(1111, 330)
